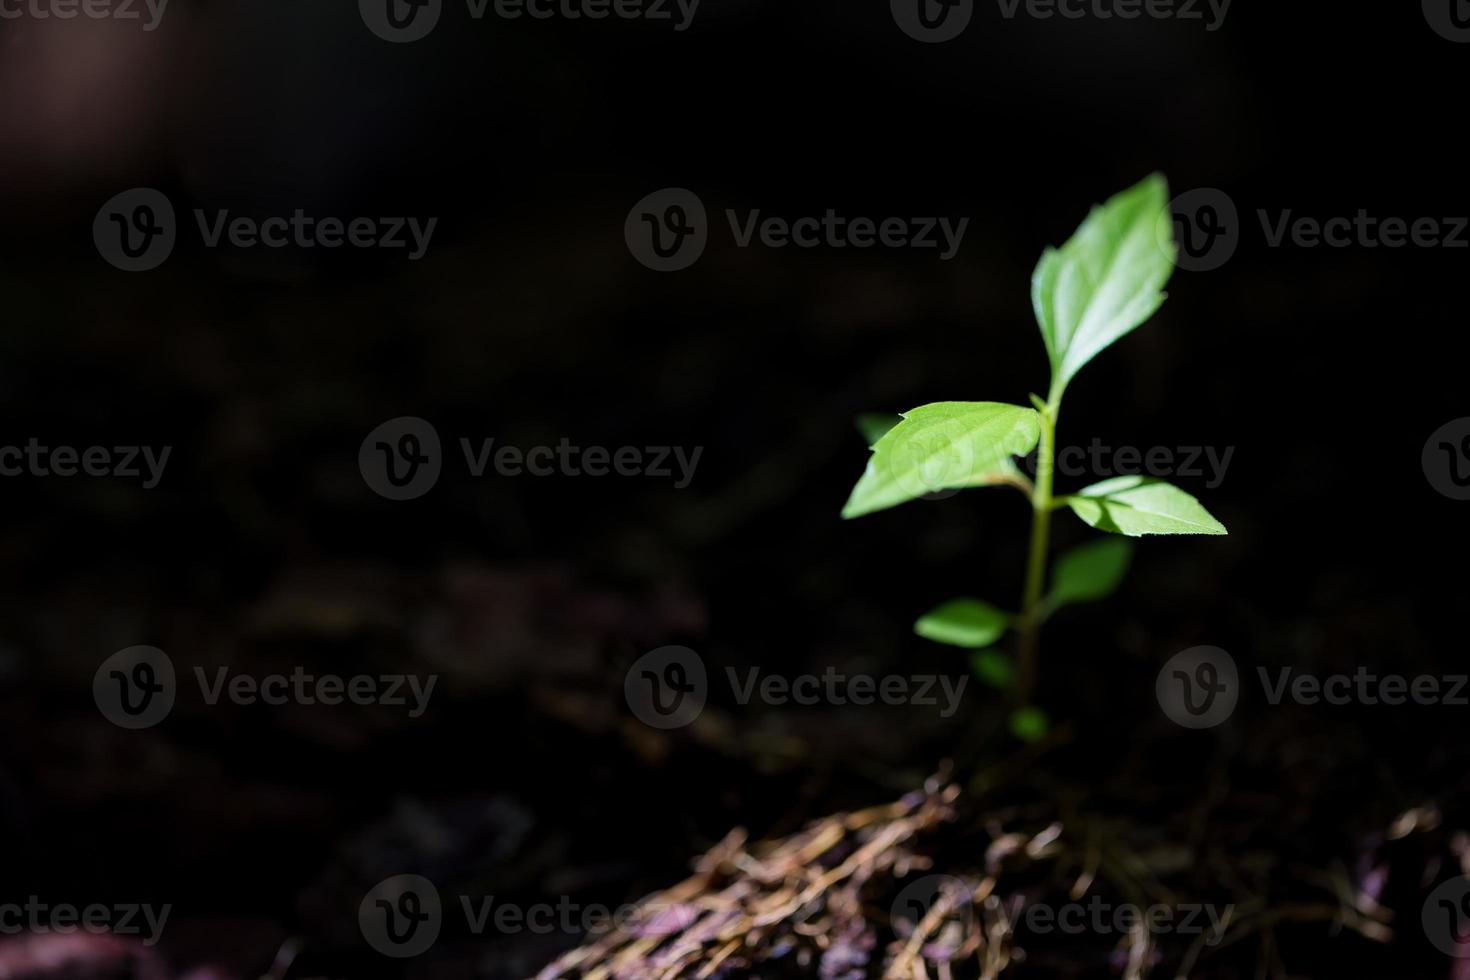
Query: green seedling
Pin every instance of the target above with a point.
(1102, 284)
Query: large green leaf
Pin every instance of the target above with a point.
(964, 623)
(944, 446)
(1107, 279)
(1089, 572)
(1138, 505)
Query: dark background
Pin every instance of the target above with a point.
(1326, 369)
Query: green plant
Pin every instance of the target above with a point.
(1102, 284)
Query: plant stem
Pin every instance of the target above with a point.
(1041, 508)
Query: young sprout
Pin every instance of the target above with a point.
(1102, 284)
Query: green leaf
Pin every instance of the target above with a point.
(1090, 572)
(1030, 724)
(1106, 281)
(874, 425)
(944, 446)
(994, 668)
(964, 623)
(1138, 505)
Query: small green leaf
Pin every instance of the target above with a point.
(966, 623)
(1138, 505)
(994, 668)
(944, 446)
(1089, 572)
(1106, 281)
(1030, 724)
(874, 425)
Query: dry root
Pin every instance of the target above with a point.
(818, 902)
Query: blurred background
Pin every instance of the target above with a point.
(529, 321)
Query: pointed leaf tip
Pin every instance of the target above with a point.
(1106, 280)
(1139, 505)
